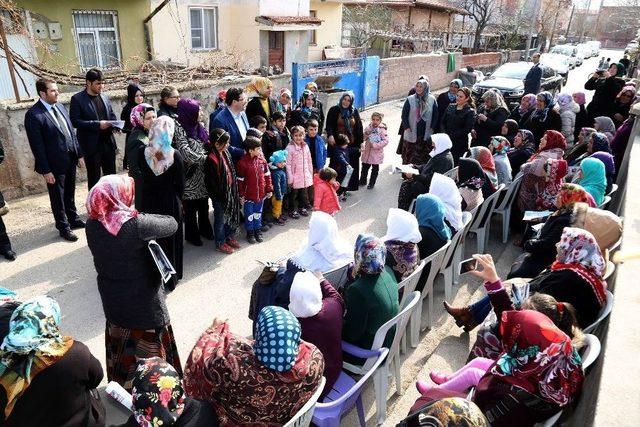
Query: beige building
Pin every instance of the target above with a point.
(247, 33)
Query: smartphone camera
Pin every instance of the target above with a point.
(467, 266)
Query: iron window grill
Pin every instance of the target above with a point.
(96, 37)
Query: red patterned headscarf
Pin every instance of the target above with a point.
(110, 200)
(484, 157)
(555, 140)
(574, 193)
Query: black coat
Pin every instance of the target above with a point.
(297, 118)
(604, 96)
(532, 80)
(538, 127)
(48, 143)
(490, 127)
(520, 118)
(582, 121)
(458, 124)
(85, 119)
(332, 125)
(254, 108)
(443, 103)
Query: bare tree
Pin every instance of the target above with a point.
(365, 22)
(481, 12)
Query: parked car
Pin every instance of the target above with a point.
(559, 63)
(509, 80)
(570, 52)
(595, 45)
(631, 47)
(585, 50)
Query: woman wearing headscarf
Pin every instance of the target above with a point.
(313, 87)
(305, 111)
(320, 309)
(372, 299)
(47, 378)
(607, 85)
(568, 110)
(135, 96)
(241, 378)
(195, 199)
(621, 140)
(582, 118)
(509, 130)
(522, 112)
(440, 161)
(485, 158)
(541, 182)
(446, 412)
(472, 184)
(552, 146)
(169, 97)
(445, 99)
(142, 115)
(622, 105)
(544, 118)
(578, 152)
(162, 173)
(446, 190)
(434, 232)
(458, 121)
(596, 142)
(284, 101)
(593, 178)
(419, 120)
(523, 149)
(490, 118)
(131, 289)
(605, 125)
(500, 147)
(261, 104)
(402, 240)
(159, 399)
(344, 119)
(609, 167)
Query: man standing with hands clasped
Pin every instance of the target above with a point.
(57, 153)
(91, 114)
(534, 76)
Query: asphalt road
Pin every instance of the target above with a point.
(216, 285)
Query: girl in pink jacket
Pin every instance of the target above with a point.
(375, 139)
(299, 173)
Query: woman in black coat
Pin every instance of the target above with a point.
(489, 118)
(445, 99)
(261, 88)
(458, 122)
(544, 118)
(522, 112)
(344, 119)
(607, 85)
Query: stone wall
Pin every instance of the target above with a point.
(17, 177)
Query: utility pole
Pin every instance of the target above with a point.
(566, 33)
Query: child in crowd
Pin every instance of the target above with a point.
(277, 165)
(305, 111)
(582, 118)
(258, 122)
(278, 137)
(325, 186)
(318, 149)
(568, 110)
(284, 103)
(299, 172)
(254, 185)
(340, 163)
(375, 139)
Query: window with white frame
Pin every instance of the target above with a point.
(96, 37)
(204, 27)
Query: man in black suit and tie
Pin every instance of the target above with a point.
(57, 153)
(534, 76)
(91, 114)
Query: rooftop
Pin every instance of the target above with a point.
(288, 20)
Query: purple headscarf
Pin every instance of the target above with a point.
(608, 160)
(530, 98)
(188, 112)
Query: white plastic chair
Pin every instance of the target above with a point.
(482, 221)
(412, 206)
(605, 202)
(381, 377)
(614, 188)
(452, 173)
(453, 256)
(303, 417)
(504, 208)
(606, 310)
(608, 272)
(407, 286)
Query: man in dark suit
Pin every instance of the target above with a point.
(57, 153)
(534, 76)
(234, 120)
(91, 114)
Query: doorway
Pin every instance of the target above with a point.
(276, 49)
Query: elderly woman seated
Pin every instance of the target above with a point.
(402, 240)
(261, 382)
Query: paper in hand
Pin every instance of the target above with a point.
(118, 124)
(405, 169)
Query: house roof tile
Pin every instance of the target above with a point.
(288, 20)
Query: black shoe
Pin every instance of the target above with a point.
(68, 235)
(10, 255)
(259, 237)
(77, 224)
(208, 236)
(265, 228)
(363, 181)
(195, 242)
(369, 187)
(251, 238)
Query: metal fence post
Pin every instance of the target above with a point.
(294, 82)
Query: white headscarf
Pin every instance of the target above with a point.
(447, 190)
(402, 226)
(305, 295)
(325, 250)
(441, 143)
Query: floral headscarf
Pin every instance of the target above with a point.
(160, 137)
(580, 98)
(452, 411)
(484, 157)
(600, 142)
(34, 342)
(573, 193)
(586, 133)
(259, 87)
(538, 357)
(188, 115)
(500, 144)
(530, 103)
(554, 147)
(549, 103)
(109, 202)
(579, 252)
(370, 255)
(527, 141)
(277, 338)
(137, 115)
(430, 212)
(158, 397)
(626, 89)
(594, 178)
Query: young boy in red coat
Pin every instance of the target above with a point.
(325, 196)
(254, 186)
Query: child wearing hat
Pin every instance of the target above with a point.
(277, 164)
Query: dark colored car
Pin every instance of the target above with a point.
(509, 80)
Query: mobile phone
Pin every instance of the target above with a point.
(467, 265)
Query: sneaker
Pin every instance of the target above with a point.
(295, 215)
(225, 249)
(233, 243)
(259, 237)
(281, 221)
(304, 212)
(251, 238)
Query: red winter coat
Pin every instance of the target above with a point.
(254, 178)
(325, 198)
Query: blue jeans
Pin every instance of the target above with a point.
(252, 215)
(481, 309)
(222, 230)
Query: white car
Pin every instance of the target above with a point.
(595, 46)
(560, 63)
(569, 51)
(585, 50)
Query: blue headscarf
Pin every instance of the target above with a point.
(549, 103)
(430, 212)
(594, 178)
(277, 338)
(347, 113)
(370, 255)
(600, 142)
